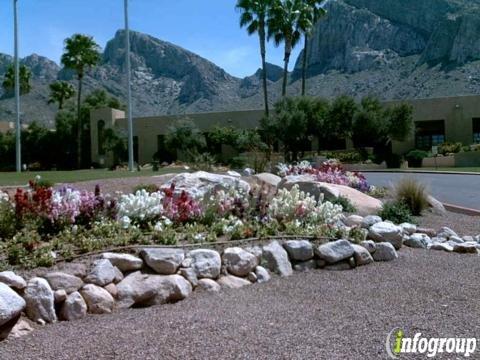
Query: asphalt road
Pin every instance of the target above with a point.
(316, 315)
(462, 190)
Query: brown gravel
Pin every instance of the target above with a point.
(321, 314)
(461, 224)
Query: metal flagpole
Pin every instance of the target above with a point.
(129, 91)
(18, 145)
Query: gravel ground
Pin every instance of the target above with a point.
(461, 224)
(320, 314)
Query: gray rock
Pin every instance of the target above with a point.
(446, 233)
(437, 206)
(112, 290)
(232, 282)
(252, 277)
(418, 240)
(118, 275)
(190, 275)
(208, 285)
(335, 251)
(468, 238)
(370, 220)
(269, 179)
(305, 265)
(276, 259)
(353, 220)
(98, 299)
(60, 296)
(11, 306)
(21, 328)
(361, 255)
(477, 238)
(255, 250)
(436, 239)
(206, 263)
(40, 301)
(387, 232)
(262, 274)
(59, 280)
(465, 248)
(187, 262)
(299, 250)
(12, 280)
(369, 245)
(125, 262)
(74, 307)
(408, 228)
(385, 252)
(163, 261)
(238, 261)
(456, 239)
(102, 273)
(146, 290)
(441, 246)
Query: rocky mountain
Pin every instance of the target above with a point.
(389, 48)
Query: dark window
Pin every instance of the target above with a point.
(476, 130)
(101, 137)
(429, 133)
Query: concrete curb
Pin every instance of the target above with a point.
(420, 172)
(461, 210)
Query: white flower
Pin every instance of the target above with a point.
(141, 205)
(199, 237)
(125, 222)
(4, 196)
(158, 226)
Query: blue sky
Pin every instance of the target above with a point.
(207, 27)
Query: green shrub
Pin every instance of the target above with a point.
(415, 157)
(149, 188)
(345, 203)
(378, 192)
(352, 156)
(450, 148)
(203, 162)
(7, 220)
(413, 194)
(396, 212)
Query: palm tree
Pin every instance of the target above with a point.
(312, 11)
(60, 91)
(283, 27)
(9, 80)
(254, 18)
(81, 52)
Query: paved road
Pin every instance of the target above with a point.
(462, 190)
(316, 315)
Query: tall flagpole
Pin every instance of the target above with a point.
(18, 145)
(129, 91)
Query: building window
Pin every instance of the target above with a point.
(429, 133)
(476, 130)
(101, 137)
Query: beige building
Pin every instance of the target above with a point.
(452, 119)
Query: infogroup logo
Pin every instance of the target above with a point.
(398, 344)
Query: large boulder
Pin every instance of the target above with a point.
(353, 220)
(299, 250)
(437, 207)
(361, 255)
(370, 220)
(387, 232)
(206, 263)
(102, 273)
(335, 251)
(384, 252)
(40, 301)
(99, 300)
(163, 261)
(276, 259)
(12, 280)
(11, 306)
(201, 183)
(268, 178)
(145, 290)
(441, 247)
(208, 285)
(74, 307)
(59, 280)
(125, 262)
(232, 282)
(238, 261)
(420, 241)
(262, 274)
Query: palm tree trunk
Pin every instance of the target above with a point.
(263, 53)
(79, 124)
(304, 66)
(288, 51)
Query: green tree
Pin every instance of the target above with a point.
(254, 17)
(340, 117)
(9, 80)
(400, 121)
(81, 53)
(311, 13)
(186, 137)
(60, 91)
(283, 28)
